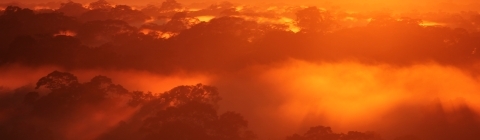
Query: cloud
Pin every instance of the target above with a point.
(283, 98)
(290, 97)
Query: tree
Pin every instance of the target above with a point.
(95, 14)
(312, 19)
(191, 113)
(15, 22)
(221, 6)
(407, 137)
(180, 22)
(15, 10)
(67, 94)
(197, 93)
(23, 48)
(72, 9)
(101, 88)
(326, 133)
(321, 133)
(184, 112)
(31, 97)
(170, 5)
(295, 137)
(100, 4)
(53, 23)
(96, 33)
(63, 98)
(119, 12)
(193, 120)
(58, 80)
(138, 97)
(127, 14)
(355, 135)
(232, 126)
(151, 10)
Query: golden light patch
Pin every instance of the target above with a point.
(66, 33)
(205, 18)
(431, 23)
(43, 8)
(352, 94)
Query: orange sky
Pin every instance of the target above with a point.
(382, 3)
(297, 93)
(349, 5)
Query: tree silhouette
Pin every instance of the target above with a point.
(96, 33)
(170, 6)
(151, 10)
(312, 19)
(31, 97)
(239, 37)
(14, 22)
(100, 4)
(407, 137)
(321, 132)
(355, 135)
(189, 121)
(326, 133)
(95, 14)
(23, 48)
(58, 80)
(67, 94)
(71, 8)
(198, 93)
(191, 113)
(101, 88)
(105, 36)
(180, 22)
(127, 14)
(184, 112)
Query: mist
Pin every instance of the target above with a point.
(291, 96)
(240, 70)
(131, 79)
(294, 95)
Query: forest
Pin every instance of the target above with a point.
(266, 72)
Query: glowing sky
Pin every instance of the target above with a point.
(350, 5)
(297, 94)
(296, 2)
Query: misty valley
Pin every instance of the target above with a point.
(170, 70)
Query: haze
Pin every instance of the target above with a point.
(367, 5)
(240, 70)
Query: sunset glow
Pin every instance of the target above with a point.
(205, 18)
(363, 88)
(240, 70)
(66, 33)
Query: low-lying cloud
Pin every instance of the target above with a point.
(289, 97)
(393, 100)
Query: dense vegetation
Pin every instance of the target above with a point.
(169, 37)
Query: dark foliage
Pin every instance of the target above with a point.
(185, 112)
(326, 133)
